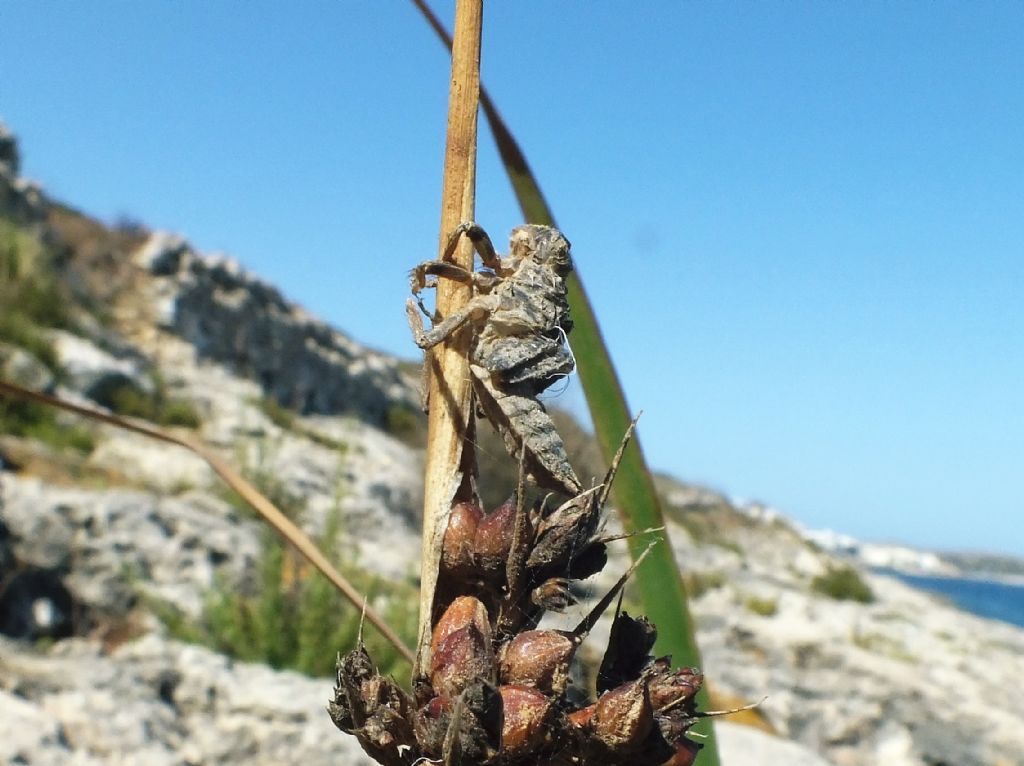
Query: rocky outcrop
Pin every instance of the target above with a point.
(111, 546)
(237, 320)
(746, 746)
(161, 703)
(20, 199)
(157, 701)
(21, 368)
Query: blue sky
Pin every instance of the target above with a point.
(802, 224)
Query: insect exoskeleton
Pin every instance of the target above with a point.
(520, 319)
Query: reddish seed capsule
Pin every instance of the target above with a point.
(436, 707)
(461, 658)
(525, 715)
(624, 716)
(674, 689)
(581, 718)
(460, 647)
(685, 755)
(460, 613)
(457, 549)
(538, 658)
(492, 543)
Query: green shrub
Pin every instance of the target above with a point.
(30, 420)
(280, 416)
(125, 398)
(317, 437)
(405, 423)
(291, 616)
(287, 419)
(28, 280)
(268, 484)
(179, 412)
(704, 530)
(765, 607)
(294, 618)
(19, 330)
(887, 646)
(699, 583)
(30, 295)
(843, 584)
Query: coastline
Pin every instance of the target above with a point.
(995, 578)
(999, 597)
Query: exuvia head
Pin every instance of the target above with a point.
(544, 244)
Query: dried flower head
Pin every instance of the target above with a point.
(496, 686)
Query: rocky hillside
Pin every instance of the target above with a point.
(148, 618)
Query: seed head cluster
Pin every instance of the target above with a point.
(497, 688)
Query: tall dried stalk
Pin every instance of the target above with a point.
(450, 468)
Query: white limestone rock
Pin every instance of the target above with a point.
(745, 746)
(115, 543)
(20, 367)
(155, 701)
(234, 318)
(89, 369)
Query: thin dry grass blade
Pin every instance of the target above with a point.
(273, 516)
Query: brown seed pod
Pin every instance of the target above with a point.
(463, 611)
(346, 707)
(474, 736)
(492, 543)
(460, 648)
(583, 717)
(538, 658)
(470, 707)
(676, 689)
(671, 729)
(387, 726)
(526, 714)
(624, 717)
(372, 707)
(457, 548)
(461, 658)
(685, 755)
(589, 561)
(566, 532)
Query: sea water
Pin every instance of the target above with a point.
(985, 598)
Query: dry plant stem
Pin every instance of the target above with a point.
(448, 471)
(535, 210)
(281, 523)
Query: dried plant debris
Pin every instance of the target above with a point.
(497, 687)
(520, 319)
